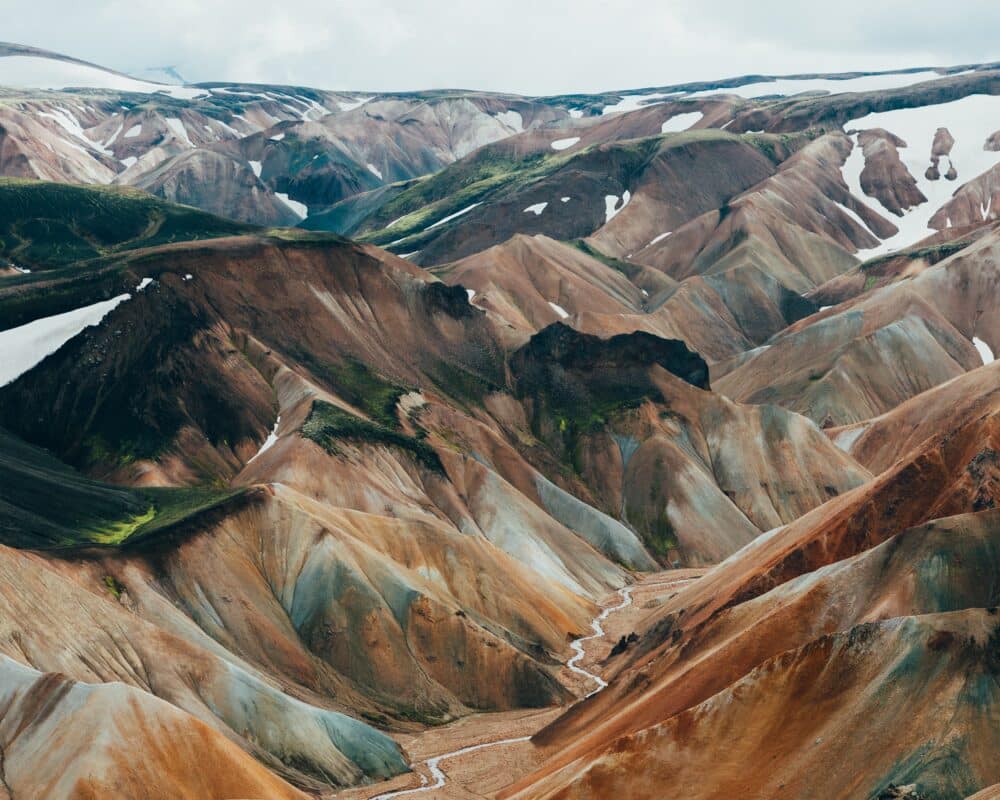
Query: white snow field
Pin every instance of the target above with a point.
(23, 347)
(536, 209)
(38, 72)
(792, 86)
(970, 120)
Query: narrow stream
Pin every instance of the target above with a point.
(434, 764)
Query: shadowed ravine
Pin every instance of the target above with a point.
(438, 777)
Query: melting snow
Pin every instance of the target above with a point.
(134, 131)
(512, 119)
(791, 86)
(562, 312)
(374, 171)
(563, 144)
(985, 351)
(27, 345)
(299, 208)
(272, 437)
(611, 207)
(536, 209)
(257, 167)
(681, 122)
(971, 120)
(72, 126)
(450, 217)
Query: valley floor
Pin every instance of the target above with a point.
(484, 772)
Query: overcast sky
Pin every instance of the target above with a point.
(528, 46)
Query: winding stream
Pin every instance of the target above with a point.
(434, 764)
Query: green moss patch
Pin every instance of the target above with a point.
(47, 225)
(327, 425)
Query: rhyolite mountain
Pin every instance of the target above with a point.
(328, 418)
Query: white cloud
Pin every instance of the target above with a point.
(519, 45)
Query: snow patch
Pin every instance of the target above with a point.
(450, 217)
(257, 167)
(27, 345)
(134, 131)
(562, 312)
(985, 351)
(178, 130)
(272, 437)
(536, 209)
(277, 137)
(374, 171)
(72, 126)
(632, 102)
(681, 122)
(143, 284)
(471, 293)
(299, 208)
(611, 207)
(576, 113)
(659, 238)
(563, 144)
(128, 162)
(564, 199)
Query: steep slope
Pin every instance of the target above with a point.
(880, 676)
(43, 756)
(867, 355)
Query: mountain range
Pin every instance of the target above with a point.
(334, 422)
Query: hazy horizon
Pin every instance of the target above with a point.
(523, 47)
